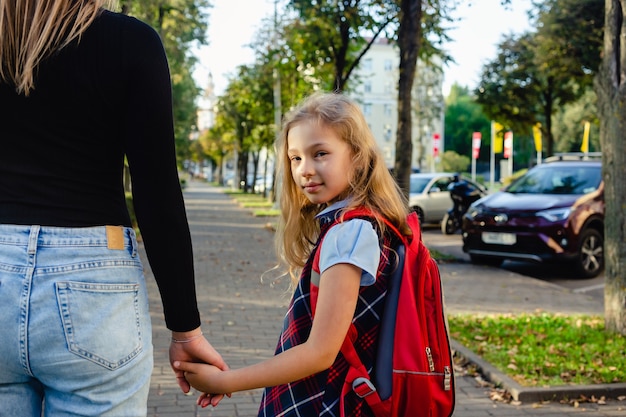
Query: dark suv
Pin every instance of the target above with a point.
(554, 212)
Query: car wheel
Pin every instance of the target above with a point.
(590, 260)
(420, 214)
(448, 225)
(486, 260)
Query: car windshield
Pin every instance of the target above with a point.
(418, 184)
(558, 180)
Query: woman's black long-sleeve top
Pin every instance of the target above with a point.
(62, 150)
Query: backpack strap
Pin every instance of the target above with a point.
(358, 379)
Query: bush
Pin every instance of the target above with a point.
(453, 162)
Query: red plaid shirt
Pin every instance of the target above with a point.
(319, 394)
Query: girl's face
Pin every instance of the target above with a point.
(320, 162)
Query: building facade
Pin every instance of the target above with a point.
(375, 87)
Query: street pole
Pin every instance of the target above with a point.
(277, 107)
(492, 157)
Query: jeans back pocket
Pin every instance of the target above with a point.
(101, 321)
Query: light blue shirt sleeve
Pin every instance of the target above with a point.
(353, 242)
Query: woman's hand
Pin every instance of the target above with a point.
(193, 347)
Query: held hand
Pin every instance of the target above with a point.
(199, 375)
(196, 349)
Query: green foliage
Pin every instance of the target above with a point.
(509, 88)
(569, 38)
(181, 25)
(453, 162)
(245, 117)
(569, 124)
(334, 33)
(463, 117)
(537, 73)
(545, 349)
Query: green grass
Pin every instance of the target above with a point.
(545, 349)
(270, 212)
(262, 206)
(442, 257)
(256, 204)
(240, 196)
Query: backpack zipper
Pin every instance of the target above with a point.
(447, 374)
(429, 356)
(447, 378)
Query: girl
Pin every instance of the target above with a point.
(329, 163)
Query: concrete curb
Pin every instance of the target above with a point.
(531, 394)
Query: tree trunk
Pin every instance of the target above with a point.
(409, 43)
(610, 86)
(548, 112)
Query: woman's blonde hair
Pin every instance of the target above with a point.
(371, 184)
(32, 30)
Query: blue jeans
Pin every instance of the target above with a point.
(75, 332)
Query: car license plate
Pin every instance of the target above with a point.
(499, 238)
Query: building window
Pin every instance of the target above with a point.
(387, 109)
(367, 109)
(367, 86)
(367, 64)
(387, 132)
(388, 65)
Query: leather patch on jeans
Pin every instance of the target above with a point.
(115, 237)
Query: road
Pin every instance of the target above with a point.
(552, 273)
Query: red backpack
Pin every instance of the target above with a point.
(414, 372)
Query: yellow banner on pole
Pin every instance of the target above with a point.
(498, 140)
(537, 136)
(585, 145)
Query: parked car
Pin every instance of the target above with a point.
(262, 183)
(429, 196)
(554, 212)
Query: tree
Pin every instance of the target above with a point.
(537, 73)
(516, 93)
(337, 30)
(610, 84)
(569, 124)
(464, 117)
(284, 49)
(409, 34)
(217, 142)
(181, 24)
(569, 37)
(245, 111)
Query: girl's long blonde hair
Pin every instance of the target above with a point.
(32, 30)
(371, 184)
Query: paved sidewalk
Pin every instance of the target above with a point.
(242, 311)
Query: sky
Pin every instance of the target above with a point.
(233, 24)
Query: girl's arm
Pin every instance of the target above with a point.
(338, 294)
